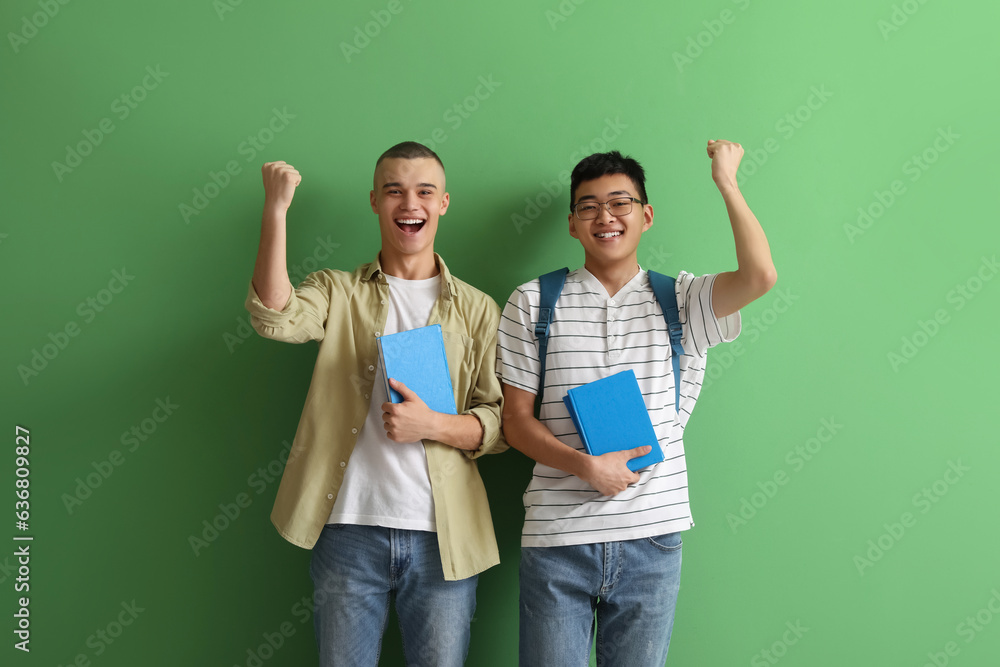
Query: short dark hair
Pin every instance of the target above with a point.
(604, 164)
(409, 150)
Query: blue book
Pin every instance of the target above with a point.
(417, 359)
(610, 416)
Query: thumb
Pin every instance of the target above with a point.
(403, 390)
(640, 451)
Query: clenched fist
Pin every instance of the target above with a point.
(280, 181)
(726, 157)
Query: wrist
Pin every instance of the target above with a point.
(582, 465)
(437, 427)
(727, 185)
(274, 213)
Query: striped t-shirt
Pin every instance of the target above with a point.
(591, 337)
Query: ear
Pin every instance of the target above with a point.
(374, 202)
(647, 215)
(572, 227)
(445, 200)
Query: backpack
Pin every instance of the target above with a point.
(551, 285)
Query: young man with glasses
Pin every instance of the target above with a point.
(387, 495)
(602, 544)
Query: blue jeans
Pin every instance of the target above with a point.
(629, 588)
(355, 571)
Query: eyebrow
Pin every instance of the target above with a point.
(399, 185)
(610, 194)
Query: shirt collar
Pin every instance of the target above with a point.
(447, 282)
(590, 280)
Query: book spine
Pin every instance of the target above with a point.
(385, 373)
(571, 405)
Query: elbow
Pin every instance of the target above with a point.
(510, 422)
(505, 422)
(764, 280)
(770, 278)
(275, 300)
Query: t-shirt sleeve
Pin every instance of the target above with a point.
(517, 349)
(702, 329)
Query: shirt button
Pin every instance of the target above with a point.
(329, 496)
(376, 334)
(383, 302)
(367, 396)
(611, 301)
(371, 368)
(353, 430)
(343, 464)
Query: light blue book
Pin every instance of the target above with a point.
(417, 359)
(610, 416)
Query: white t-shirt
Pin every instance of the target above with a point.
(387, 483)
(591, 337)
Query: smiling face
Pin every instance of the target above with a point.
(408, 197)
(609, 241)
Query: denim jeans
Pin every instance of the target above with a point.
(629, 589)
(357, 569)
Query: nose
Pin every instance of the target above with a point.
(604, 213)
(409, 202)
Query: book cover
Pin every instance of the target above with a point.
(417, 359)
(610, 416)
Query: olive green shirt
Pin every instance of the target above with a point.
(346, 313)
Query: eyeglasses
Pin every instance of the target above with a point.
(589, 210)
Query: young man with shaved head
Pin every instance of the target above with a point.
(388, 496)
(601, 544)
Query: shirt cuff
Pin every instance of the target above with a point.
(493, 442)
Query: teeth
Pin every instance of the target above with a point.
(608, 235)
(409, 222)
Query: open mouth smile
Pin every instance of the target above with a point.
(410, 225)
(609, 235)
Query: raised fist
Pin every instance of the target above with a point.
(280, 181)
(726, 157)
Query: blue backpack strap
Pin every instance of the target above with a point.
(551, 286)
(663, 289)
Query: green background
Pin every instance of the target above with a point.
(816, 348)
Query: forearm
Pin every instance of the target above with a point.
(270, 272)
(458, 431)
(753, 253)
(530, 437)
(755, 274)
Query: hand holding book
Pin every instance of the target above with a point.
(610, 416)
(609, 473)
(411, 420)
(421, 401)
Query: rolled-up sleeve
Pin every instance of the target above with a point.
(302, 319)
(487, 396)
